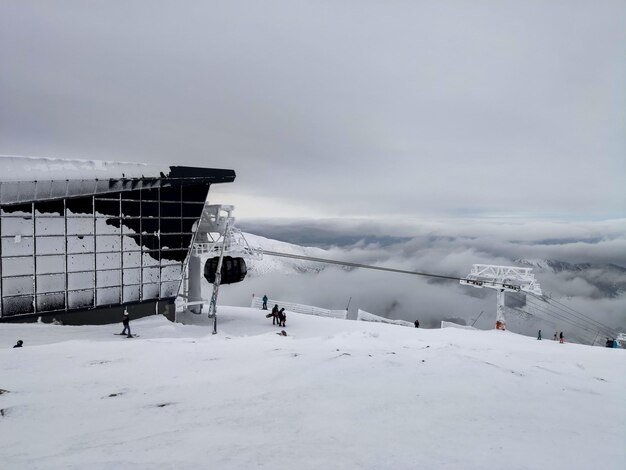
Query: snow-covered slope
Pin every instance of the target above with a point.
(333, 394)
(274, 264)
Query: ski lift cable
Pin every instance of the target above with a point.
(425, 274)
(568, 322)
(573, 311)
(554, 313)
(597, 326)
(588, 334)
(565, 320)
(537, 312)
(359, 265)
(562, 318)
(569, 311)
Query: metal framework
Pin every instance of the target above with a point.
(216, 236)
(503, 279)
(70, 246)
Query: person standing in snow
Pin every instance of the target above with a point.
(282, 316)
(19, 343)
(555, 336)
(126, 323)
(417, 323)
(265, 302)
(539, 335)
(274, 314)
(561, 337)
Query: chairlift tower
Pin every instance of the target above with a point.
(223, 247)
(503, 279)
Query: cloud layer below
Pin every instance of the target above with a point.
(589, 277)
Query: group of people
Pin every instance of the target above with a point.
(279, 316)
(559, 335)
(610, 343)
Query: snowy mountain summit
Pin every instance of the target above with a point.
(332, 394)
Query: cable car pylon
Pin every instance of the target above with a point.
(503, 279)
(223, 248)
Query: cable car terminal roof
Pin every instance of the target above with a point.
(28, 179)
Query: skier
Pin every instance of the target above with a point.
(265, 302)
(539, 335)
(126, 323)
(561, 337)
(417, 323)
(274, 314)
(19, 343)
(282, 316)
(555, 336)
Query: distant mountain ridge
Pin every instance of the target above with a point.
(558, 266)
(610, 279)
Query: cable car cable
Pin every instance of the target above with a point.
(573, 312)
(553, 308)
(562, 318)
(365, 266)
(553, 313)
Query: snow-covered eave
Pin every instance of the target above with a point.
(26, 179)
(14, 168)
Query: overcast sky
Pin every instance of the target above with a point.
(334, 108)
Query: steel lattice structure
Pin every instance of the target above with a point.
(503, 279)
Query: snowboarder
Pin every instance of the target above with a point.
(19, 343)
(561, 337)
(126, 323)
(555, 335)
(265, 302)
(282, 316)
(539, 335)
(274, 314)
(609, 343)
(417, 323)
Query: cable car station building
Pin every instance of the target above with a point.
(80, 241)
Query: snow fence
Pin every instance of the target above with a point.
(257, 302)
(449, 324)
(362, 315)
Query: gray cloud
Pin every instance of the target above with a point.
(357, 108)
(402, 111)
(585, 276)
(601, 242)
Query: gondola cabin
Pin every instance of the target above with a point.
(233, 270)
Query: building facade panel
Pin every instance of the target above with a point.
(125, 243)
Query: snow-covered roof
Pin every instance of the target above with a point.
(26, 179)
(15, 168)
